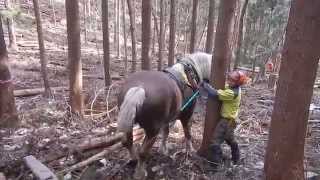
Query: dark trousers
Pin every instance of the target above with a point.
(224, 132)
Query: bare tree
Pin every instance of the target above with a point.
(11, 28)
(172, 32)
(193, 28)
(8, 111)
(219, 66)
(161, 36)
(74, 51)
(210, 29)
(131, 10)
(240, 36)
(118, 28)
(300, 57)
(43, 59)
(146, 34)
(106, 43)
(124, 36)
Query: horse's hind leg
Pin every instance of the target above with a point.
(186, 124)
(127, 142)
(141, 172)
(163, 145)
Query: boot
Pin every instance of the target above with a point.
(215, 154)
(235, 152)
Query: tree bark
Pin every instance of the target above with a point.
(240, 36)
(8, 111)
(11, 29)
(172, 32)
(124, 37)
(219, 66)
(194, 26)
(75, 66)
(118, 28)
(43, 59)
(300, 56)
(131, 10)
(161, 36)
(210, 29)
(106, 43)
(146, 34)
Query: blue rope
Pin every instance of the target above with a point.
(195, 95)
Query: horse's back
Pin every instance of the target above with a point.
(163, 97)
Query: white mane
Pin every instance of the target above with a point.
(201, 62)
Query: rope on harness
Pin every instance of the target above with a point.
(195, 95)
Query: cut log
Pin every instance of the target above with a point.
(97, 156)
(35, 91)
(103, 141)
(38, 169)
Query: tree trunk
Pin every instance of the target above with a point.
(240, 36)
(146, 34)
(172, 32)
(124, 37)
(8, 111)
(210, 29)
(193, 27)
(219, 66)
(131, 9)
(161, 36)
(106, 43)
(118, 29)
(43, 58)
(300, 57)
(11, 29)
(85, 21)
(75, 66)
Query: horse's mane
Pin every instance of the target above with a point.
(201, 62)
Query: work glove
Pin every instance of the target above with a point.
(209, 89)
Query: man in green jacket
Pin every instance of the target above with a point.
(230, 98)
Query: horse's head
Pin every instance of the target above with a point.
(202, 64)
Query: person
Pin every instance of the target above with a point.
(224, 131)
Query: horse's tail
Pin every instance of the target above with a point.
(132, 103)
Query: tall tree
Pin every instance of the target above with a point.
(123, 6)
(118, 28)
(74, 52)
(146, 34)
(161, 36)
(106, 43)
(8, 111)
(131, 9)
(221, 56)
(193, 37)
(210, 29)
(240, 36)
(11, 28)
(43, 59)
(300, 57)
(172, 32)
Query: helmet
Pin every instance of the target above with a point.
(238, 77)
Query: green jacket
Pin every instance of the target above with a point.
(230, 98)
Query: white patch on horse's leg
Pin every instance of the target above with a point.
(143, 153)
(187, 134)
(189, 146)
(163, 146)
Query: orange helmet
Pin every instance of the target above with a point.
(239, 77)
(269, 66)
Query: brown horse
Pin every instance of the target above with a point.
(152, 99)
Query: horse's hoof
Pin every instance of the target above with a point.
(133, 162)
(140, 175)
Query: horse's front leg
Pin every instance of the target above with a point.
(127, 142)
(163, 145)
(186, 124)
(141, 172)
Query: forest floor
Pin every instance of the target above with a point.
(46, 130)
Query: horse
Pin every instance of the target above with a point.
(153, 99)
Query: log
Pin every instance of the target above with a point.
(35, 91)
(38, 169)
(102, 141)
(97, 156)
